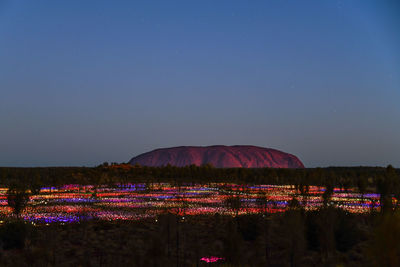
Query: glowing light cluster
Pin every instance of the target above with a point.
(74, 203)
(211, 259)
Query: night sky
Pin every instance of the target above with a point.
(83, 82)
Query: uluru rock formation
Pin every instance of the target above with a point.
(219, 156)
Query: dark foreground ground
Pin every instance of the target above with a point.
(328, 237)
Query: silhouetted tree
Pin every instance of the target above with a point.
(384, 247)
(234, 203)
(362, 187)
(327, 195)
(17, 199)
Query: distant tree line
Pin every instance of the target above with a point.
(386, 180)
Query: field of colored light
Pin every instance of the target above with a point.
(75, 203)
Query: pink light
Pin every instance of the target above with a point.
(211, 259)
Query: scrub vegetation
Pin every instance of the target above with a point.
(327, 235)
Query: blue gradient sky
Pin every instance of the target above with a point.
(82, 82)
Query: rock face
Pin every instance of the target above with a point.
(219, 156)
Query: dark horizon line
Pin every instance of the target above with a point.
(85, 166)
